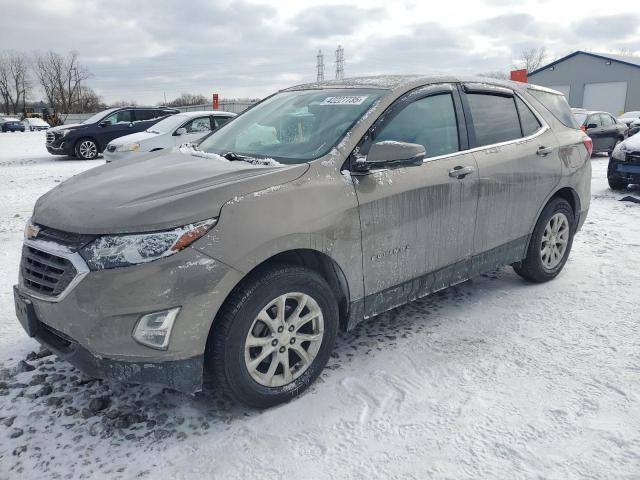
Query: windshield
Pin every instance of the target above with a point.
(293, 127)
(99, 116)
(169, 124)
(580, 117)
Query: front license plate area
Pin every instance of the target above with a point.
(25, 312)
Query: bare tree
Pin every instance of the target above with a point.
(14, 80)
(61, 79)
(531, 59)
(188, 99)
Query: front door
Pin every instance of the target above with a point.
(116, 125)
(417, 220)
(596, 132)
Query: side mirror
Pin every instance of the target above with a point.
(181, 131)
(104, 124)
(390, 154)
(592, 125)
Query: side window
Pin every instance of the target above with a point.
(151, 114)
(556, 104)
(121, 116)
(530, 124)
(594, 120)
(200, 124)
(221, 121)
(429, 121)
(495, 118)
(607, 121)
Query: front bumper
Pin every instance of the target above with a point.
(91, 323)
(628, 171)
(184, 375)
(62, 149)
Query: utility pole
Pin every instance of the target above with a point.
(320, 66)
(339, 63)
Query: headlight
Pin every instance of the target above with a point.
(129, 147)
(113, 251)
(620, 152)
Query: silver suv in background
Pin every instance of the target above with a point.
(320, 207)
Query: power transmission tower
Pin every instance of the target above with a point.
(339, 63)
(320, 66)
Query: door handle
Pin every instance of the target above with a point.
(544, 151)
(460, 171)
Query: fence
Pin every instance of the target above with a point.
(233, 107)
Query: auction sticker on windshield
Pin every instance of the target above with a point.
(345, 100)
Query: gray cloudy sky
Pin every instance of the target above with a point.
(140, 50)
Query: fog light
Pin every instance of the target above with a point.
(154, 329)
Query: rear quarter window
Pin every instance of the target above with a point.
(557, 106)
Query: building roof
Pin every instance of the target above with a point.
(624, 59)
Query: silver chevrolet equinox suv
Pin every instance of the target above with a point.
(323, 205)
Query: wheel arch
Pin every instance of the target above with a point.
(314, 260)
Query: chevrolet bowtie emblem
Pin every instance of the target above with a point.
(31, 230)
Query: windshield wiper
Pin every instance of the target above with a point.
(232, 156)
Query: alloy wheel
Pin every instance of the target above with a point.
(554, 242)
(88, 149)
(284, 339)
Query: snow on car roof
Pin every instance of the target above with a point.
(206, 112)
(406, 82)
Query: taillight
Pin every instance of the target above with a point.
(588, 144)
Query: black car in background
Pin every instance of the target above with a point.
(603, 128)
(632, 120)
(88, 139)
(10, 124)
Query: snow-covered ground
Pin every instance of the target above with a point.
(494, 378)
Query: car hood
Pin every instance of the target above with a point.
(71, 126)
(155, 192)
(134, 138)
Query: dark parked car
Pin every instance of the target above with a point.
(605, 131)
(89, 138)
(632, 120)
(10, 124)
(624, 164)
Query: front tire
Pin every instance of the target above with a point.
(273, 336)
(550, 243)
(86, 149)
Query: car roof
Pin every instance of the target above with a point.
(207, 112)
(407, 82)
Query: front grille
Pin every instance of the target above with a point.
(633, 157)
(50, 138)
(73, 241)
(111, 148)
(45, 273)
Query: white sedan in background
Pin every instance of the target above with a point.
(35, 124)
(173, 131)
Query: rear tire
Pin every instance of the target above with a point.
(263, 358)
(550, 243)
(86, 149)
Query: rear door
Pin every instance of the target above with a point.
(420, 219)
(596, 132)
(518, 164)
